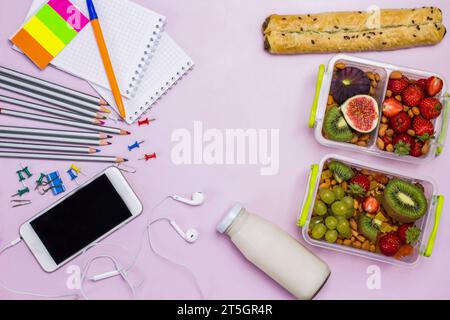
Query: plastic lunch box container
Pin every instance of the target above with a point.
(428, 223)
(384, 70)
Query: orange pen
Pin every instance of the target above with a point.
(105, 57)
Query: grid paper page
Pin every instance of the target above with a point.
(132, 33)
(167, 66)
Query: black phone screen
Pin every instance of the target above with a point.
(80, 219)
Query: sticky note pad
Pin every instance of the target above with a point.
(47, 33)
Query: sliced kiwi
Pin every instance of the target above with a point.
(404, 201)
(341, 172)
(335, 126)
(368, 228)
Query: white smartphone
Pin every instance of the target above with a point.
(86, 215)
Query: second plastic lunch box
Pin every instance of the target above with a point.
(382, 71)
(428, 223)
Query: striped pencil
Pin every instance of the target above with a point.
(50, 110)
(53, 86)
(55, 133)
(52, 94)
(47, 147)
(65, 157)
(84, 142)
(37, 96)
(37, 117)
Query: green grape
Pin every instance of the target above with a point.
(339, 208)
(320, 208)
(327, 195)
(315, 220)
(338, 192)
(319, 231)
(349, 212)
(331, 236)
(331, 222)
(349, 202)
(343, 227)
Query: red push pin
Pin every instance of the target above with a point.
(146, 121)
(149, 156)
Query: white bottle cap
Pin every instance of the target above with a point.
(229, 218)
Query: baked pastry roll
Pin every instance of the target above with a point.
(353, 31)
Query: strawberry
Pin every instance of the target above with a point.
(389, 244)
(434, 86)
(371, 205)
(359, 185)
(386, 139)
(401, 122)
(398, 85)
(416, 149)
(412, 96)
(422, 83)
(430, 108)
(423, 128)
(408, 233)
(392, 107)
(403, 143)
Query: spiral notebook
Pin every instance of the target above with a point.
(168, 65)
(132, 33)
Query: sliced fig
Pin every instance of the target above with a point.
(361, 113)
(349, 82)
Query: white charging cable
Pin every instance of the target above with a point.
(19, 292)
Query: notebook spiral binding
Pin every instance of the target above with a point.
(147, 55)
(156, 96)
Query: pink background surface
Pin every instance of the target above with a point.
(235, 84)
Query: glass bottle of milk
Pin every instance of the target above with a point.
(275, 252)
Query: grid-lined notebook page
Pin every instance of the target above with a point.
(167, 66)
(132, 33)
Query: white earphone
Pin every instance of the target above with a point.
(197, 199)
(189, 236)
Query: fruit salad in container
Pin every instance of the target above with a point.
(382, 109)
(370, 212)
(411, 110)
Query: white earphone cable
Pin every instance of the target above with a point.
(19, 292)
(182, 266)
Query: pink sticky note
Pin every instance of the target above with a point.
(69, 12)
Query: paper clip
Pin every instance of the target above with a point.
(135, 145)
(21, 192)
(125, 168)
(148, 157)
(146, 121)
(20, 203)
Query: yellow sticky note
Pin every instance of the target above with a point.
(44, 36)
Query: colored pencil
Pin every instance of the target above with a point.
(84, 142)
(50, 110)
(53, 86)
(105, 57)
(47, 147)
(37, 96)
(51, 94)
(54, 133)
(65, 157)
(47, 119)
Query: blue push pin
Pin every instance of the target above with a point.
(72, 174)
(135, 145)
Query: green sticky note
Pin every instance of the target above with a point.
(52, 20)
